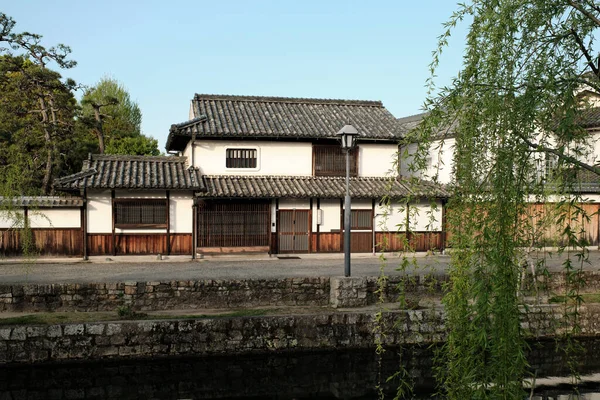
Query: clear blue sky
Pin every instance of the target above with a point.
(165, 51)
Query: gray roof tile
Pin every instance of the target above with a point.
(272, 117)
(229, 186)
(42, 201)
(133, 172)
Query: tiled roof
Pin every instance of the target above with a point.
(407, 124)
(133, 172)
(275, 117)
(322, 187)
(42, 201)
(590, 117)
(587, 182)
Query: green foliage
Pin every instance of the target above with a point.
(26, 139)
(138, 145)
(115, 119)
(517, 102)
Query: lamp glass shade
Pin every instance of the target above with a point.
(348, 135)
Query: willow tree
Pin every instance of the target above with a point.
(518, 101)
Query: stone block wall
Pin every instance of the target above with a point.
(146, 296)
(243, 335)
(233, 293)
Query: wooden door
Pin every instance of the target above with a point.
(293, 231)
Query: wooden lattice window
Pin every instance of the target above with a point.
(330, 160)
(140, 213)
(241, 158)
(361, 220)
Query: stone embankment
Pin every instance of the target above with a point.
(224, 294)
(245, 335)
(209, 294)
(330, 329)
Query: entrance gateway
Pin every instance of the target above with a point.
(293, 231)
(235, 226)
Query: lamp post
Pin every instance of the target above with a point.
(347, 135)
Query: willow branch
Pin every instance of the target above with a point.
(585, 12)
(585, 52)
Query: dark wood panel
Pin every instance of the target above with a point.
(417, 241)
(329, 242)
(139, 243)
(99, 244)
(46, 242)
(143, 243)
(180, 243)
(360, 242)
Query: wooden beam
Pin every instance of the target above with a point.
(168, 222)
(318, 241)
(341, 249)
(194, 226)
(84, 225)
(112, 206)
(310, 216)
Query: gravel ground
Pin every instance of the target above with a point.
(147, 268)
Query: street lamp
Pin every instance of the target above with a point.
(347, 135)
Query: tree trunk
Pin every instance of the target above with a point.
(48, 139)
(99, 130)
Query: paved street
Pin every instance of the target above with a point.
(147, 268)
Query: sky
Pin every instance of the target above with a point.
(164, 52)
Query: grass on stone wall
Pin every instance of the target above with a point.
(101, 316)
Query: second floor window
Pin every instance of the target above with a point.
(330, 160)
(241, 158)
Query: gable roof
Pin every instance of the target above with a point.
(407, 124)
(276, 117)
(228, 186)
(133, 172)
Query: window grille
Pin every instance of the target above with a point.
(330, 160)
(234, 224)
(361, 220)
(241, 158)
(140, 213)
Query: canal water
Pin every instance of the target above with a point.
(300, 375)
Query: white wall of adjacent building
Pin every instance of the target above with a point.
(99, 210)
(440, 158)
(42, 218)
(11, 219)
(55, 218)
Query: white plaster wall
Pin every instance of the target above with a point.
(377, 159)
(289, 204)
(181, 213)
(55, 218)
(594, 156)
(388, 218)
(331, 215)
(274, 158)
(422, 216)
(140, 194)
(11, 219)
(585, 198)
(425, 216)
(440, 155)
(273, 216)
(99, 212)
